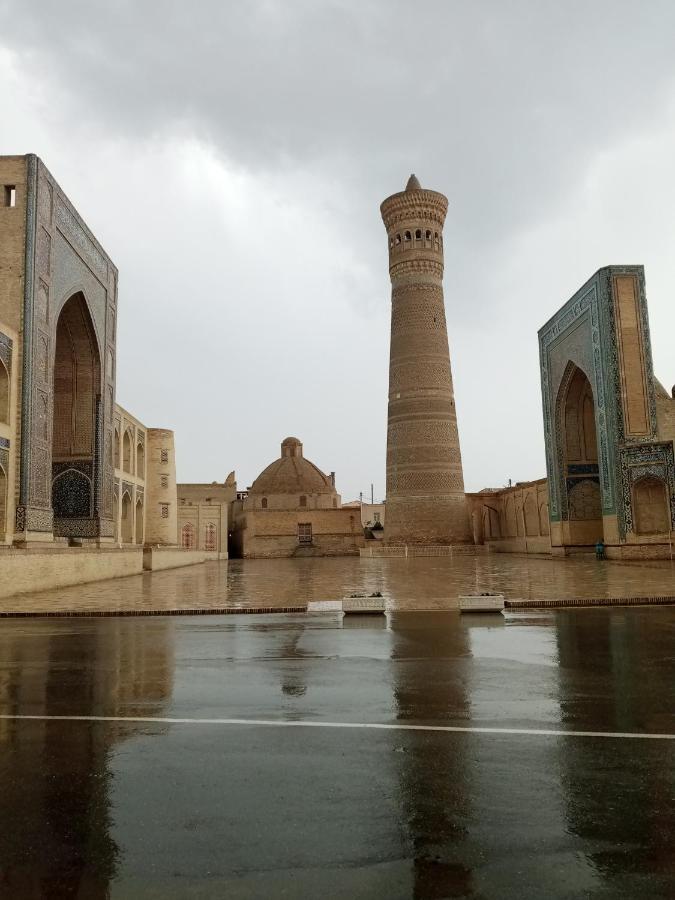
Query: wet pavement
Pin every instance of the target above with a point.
(172, 796)
(419, 583)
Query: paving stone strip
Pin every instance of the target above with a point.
(598, 601)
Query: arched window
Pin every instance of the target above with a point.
(116, 451)
(418, 235)
(210, 536)
(428, 235)
(140, 460)
(263, 503)
(398, 239)
(407, 236)
(4, 394)
(303, 501)
(126, 451)
(187, 536)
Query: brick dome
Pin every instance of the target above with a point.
(292, 474)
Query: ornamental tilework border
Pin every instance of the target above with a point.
(49, 209)
(584, 304)
(592, 307)
(614, 355)
(6, 345)
(639, 462)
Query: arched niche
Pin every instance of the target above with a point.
(3, 502)
(510, 513)
(116, 517)
(76, 389)
(580, 476)
(580, 437)
(4, 394)
(531, 514)
(127, 444)
(139, 521)
(651, 509)
(491, 526)
(127, 519)
(140, 459)
(72, 495)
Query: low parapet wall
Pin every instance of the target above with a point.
(157, 558)
(26, 571)
(408, 550)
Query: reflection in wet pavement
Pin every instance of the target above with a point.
(420, 583)
(126, 809)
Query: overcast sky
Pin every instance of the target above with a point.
(231, 158)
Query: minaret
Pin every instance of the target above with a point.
(425, 485)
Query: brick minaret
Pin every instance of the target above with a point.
(425, 484)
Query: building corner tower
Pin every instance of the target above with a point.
(425, 484)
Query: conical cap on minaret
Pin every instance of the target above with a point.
(413, 201)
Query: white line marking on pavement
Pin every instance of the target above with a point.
(375, 726)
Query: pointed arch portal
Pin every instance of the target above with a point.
(77, 381)
(581, 474)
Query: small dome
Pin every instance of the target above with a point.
(292, 474)
(413, 184)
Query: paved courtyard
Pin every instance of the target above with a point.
(421, 583)
(427, 755)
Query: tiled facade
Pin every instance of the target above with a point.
(608, 423)
(74, 466)
(609, 428)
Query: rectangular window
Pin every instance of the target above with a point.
(10, 195)
(376, 517)
(304, 532)
(165, 510)
(164, 456)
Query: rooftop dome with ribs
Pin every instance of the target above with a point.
(292, 474)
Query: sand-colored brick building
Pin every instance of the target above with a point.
(75, 468)
(205, 515)
(609, 428)
(293, 509)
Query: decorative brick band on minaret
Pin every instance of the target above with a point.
(425, 485)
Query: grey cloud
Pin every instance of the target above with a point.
(501, 105)
(498, 103)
